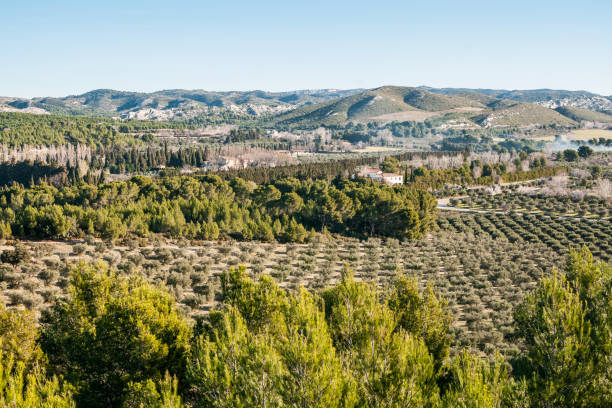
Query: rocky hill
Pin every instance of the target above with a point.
(549, 98)
(172, 104)
(462, 108)
(489, 108)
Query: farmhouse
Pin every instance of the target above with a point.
(377, 174)
(369, 172)
(392, 178)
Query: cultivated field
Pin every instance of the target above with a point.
(586, 134)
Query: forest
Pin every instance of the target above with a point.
(209, 207)
(19, 129)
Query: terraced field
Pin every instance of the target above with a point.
(565, 206)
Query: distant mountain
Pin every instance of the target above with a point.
(451, 107)
(172, 104)
(386, 103)
(549, 98)
(579, 114)
(459, 108)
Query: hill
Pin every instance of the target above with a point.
(361, 106)
(550, 98)
(329, 107)
(431, 102)
(171, 104)
(391, 103)
(524, 115)
(579, 114)
(384, 103)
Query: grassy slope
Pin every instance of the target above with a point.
(523, 115)
(433, 102)
(371, 104)
(579, 114)
(388, 100)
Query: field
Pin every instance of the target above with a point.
(586, 134)
(591, 208)
(376, 149)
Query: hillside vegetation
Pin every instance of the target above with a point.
(329, 107)
(394, 103)
(579, 114)
(372, 104)
(550, 98)
(524, 115)
(173, 104)
(19, 129)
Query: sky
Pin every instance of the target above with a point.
(60, 47)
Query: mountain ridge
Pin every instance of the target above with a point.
(174, 103)
(329, 106)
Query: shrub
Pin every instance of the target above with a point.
(15, 256)
(138, 322)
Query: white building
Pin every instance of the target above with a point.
(392, 178)
(377, 174)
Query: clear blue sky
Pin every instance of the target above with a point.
(59, 47)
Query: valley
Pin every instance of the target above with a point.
(238, 205)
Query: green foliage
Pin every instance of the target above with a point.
(234, 368)
(350, 345)
(291, 364)
(356, 315)
(570, 155)
(209, 207)
(390, 365)
(241, 135)
(425, 316)
(23, 383)
(476, 383)
(313, 375)
(19, 129)
(566, 327)
(151, 394)
(15, 256)
(20, 389)
(258, 303)
(19, 336)
(585, 151)
(135, 320)
(390, 165)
